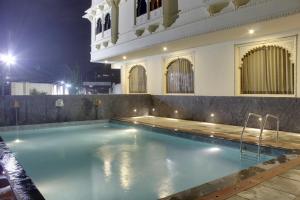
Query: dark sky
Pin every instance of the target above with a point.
(46, 35)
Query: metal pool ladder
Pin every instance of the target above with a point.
(262, 124)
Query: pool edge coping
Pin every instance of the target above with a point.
(21, 184)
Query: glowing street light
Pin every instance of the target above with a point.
(8, 59)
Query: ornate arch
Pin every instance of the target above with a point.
(180, 76)
(107, 24)
(141, 7)
(99, 26)
(267, 70)
(137, 79)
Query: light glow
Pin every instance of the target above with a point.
(212, 115)
(251, 31)
(8, 59)
(165, 48)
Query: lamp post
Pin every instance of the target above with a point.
(8, 60)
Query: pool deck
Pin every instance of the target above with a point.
(279, 180)
(287, 140)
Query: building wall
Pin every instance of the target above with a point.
(193, 19)
(25, 88)
(214, 65)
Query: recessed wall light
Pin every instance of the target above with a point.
(212, 115)
(135, 110)
(165, 48)
(106, 62)
(124, 57)
(176, 111)
(260, 119)
(153, 109)
(251, 31)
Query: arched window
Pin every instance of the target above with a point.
(141, 7)
(137, 80)
(180, 76)
(267, 70)
(154, 4)
(107, 24)
(99, 26)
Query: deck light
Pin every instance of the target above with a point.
(251, 31)
(212, 115)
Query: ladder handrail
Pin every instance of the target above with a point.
(263, 128)
(244, 128)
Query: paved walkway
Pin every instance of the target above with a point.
(287, 140)
(283, 187)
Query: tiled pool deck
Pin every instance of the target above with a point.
(276, 180)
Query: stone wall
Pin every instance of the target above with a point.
(42, 109)
(226, 110)
(229, 110)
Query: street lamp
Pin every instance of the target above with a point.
(8, 60)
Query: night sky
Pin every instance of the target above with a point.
(45, 35)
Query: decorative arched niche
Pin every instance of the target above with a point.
(267, 69)
(137, 79)
(180, 76)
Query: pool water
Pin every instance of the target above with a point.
(111, 162)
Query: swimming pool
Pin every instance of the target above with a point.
(112, 161)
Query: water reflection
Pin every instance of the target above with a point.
(125, 170)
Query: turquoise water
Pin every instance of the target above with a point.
(114, 162)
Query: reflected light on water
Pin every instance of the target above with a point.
(165, 187)
(132, 130)
(213, 149)
(125, 171)
(107, 168)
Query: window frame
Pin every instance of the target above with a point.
(288, 42)
(128, 77)
(167, 61)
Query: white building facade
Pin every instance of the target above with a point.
(199, 47)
